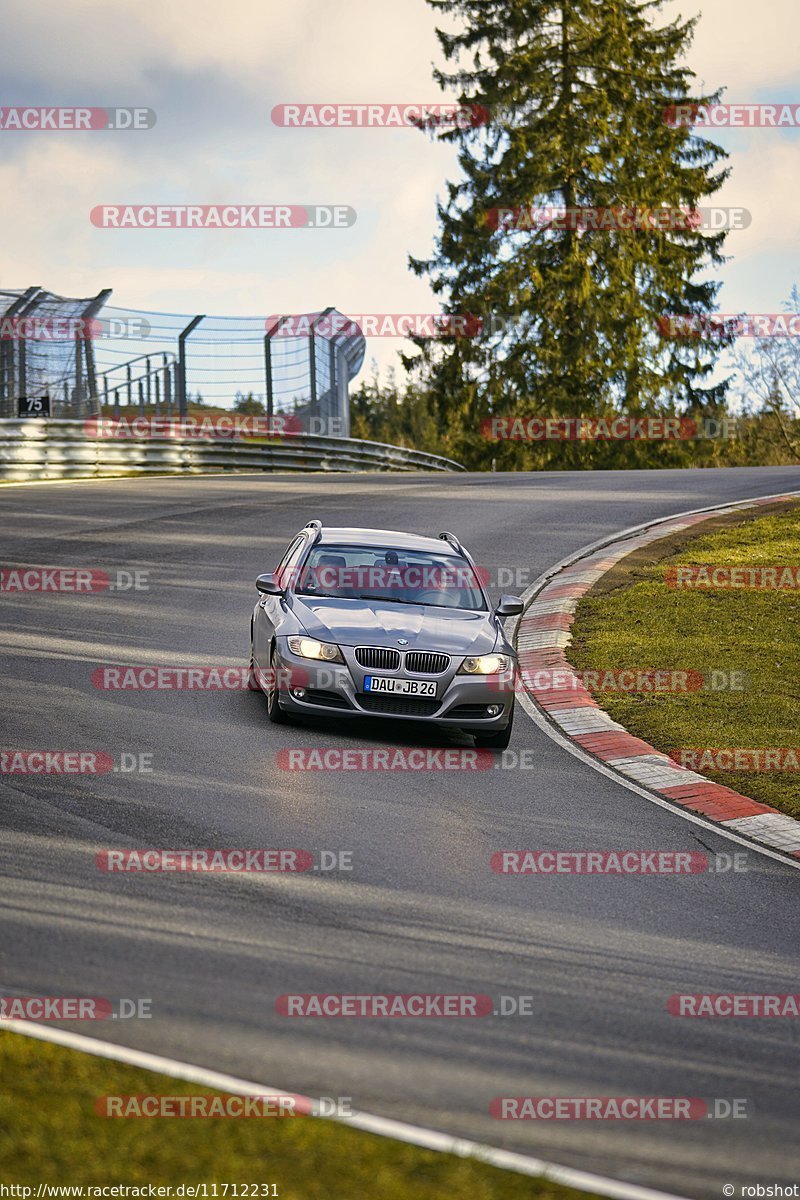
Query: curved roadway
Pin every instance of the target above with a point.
(421, 910)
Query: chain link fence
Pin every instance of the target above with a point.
(82, 357)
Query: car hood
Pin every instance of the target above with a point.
(372, 623)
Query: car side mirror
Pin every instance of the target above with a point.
(509, 606)
(268, 585)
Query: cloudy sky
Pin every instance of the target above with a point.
(213, 73)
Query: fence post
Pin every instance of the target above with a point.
(167, 386)
(332, 392)
(181, 381)
(339, 396)
(78, 394)
(22, 350)
(268, 368)
(91, 310)
(312, 363)
(7, 389)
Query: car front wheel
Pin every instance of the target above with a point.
(274, 711)
(252, 680)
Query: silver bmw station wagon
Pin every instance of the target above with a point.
(372, 622)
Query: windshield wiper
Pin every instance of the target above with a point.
(320, 595)
(387, 600)
(418, 603)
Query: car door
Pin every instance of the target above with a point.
(269, 611)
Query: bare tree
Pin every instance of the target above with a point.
(770, 372)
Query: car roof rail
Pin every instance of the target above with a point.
(454, 542)
(316, 528)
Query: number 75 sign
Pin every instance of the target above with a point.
(33, 406)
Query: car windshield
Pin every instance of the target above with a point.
(390, 576)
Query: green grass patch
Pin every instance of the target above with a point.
(50, 1133)
(634, 621)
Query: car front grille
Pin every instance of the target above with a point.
(422, 662)
(378, 658)
(398, 706)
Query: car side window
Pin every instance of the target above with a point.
(286, 569)
(293, 545)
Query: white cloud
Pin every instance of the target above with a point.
(747, 47)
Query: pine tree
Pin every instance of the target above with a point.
(576, 93)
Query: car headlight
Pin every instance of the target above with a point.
(307, 647)
(485, 664)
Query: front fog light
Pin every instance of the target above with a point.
(485, 664)
(307, 647)
(494, 710)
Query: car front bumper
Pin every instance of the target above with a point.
(470, 702)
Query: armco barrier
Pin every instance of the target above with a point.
(53, 449)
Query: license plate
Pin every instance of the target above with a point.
(402, 687)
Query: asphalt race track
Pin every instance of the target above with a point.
(421, 910)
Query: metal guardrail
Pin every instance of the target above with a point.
(53, 449)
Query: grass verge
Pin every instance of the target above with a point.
(633, 621)
(50, 1133)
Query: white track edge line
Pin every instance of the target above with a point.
(415, 1135)
(555, 734)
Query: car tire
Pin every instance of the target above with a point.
(274, 711)
(252, 681)
(498, 740)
